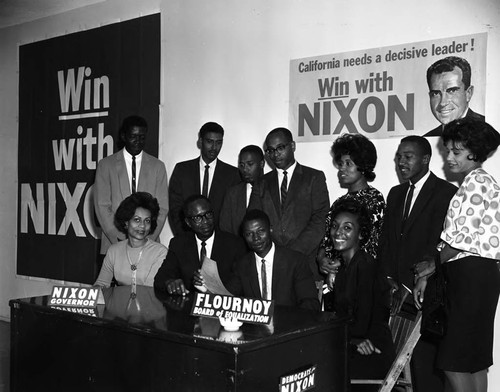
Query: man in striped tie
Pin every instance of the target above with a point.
(295, 198)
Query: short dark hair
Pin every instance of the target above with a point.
(356, 208)
(254, 215)
(422, 143)
(360, 149)
(284, 131)
(130, 204)
(479, 137)
(131, 122)
(253, 149)
(448, 64)
(192, 199)
(210, 127)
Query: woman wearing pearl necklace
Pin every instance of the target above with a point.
(135, 260)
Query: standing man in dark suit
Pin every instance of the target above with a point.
(205, 175)
(125, 172)
(295, 198)
(413, 222)
(450, 90)
(251, 167)
(270, 271)
(187, 250)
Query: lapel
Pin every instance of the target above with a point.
(422, 200)
(274, 187)
(144, 173)
(192, 250)
(241, 199)
(279, 266)
(217, 179)
(194, 171)
(121, 170)
(400, 203)
(253, 275)
(217, 247)
(294, 185)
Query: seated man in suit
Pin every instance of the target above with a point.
(295, 198)
(270, 271)
(450, 91)
(204, 175)
(125, 172)
(251, 167)
(186, 251)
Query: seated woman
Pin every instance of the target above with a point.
(358, 292)
(136, 259)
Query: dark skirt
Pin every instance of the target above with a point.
(472, 290)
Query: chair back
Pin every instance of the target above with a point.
(405, 329)
(401, 326)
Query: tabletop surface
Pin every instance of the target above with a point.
(168, 317)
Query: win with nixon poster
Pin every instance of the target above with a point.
(74, 91)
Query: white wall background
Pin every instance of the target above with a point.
(228, 61)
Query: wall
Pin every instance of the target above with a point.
(228, 62)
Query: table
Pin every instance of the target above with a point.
(152, 343)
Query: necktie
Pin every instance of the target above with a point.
(284, 189)
(134, 189)
(409, 197)
(249, 193)
(263, 277)
(203, 251)
(204, 190)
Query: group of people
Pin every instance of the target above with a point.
(275, 235)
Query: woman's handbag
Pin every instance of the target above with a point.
(434, 305)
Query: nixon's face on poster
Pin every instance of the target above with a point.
(450, 91)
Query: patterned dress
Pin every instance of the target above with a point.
(472, 277)
(472, 222)
(374, 202)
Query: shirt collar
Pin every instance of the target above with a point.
(420, 183)
(128, 156)
(208, 242)
(269, 257)
(212, 164)
(289, 171)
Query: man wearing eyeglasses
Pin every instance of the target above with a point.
(206, 175)
(295, 198)
(187, 250)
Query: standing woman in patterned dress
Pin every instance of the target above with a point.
(469, 253)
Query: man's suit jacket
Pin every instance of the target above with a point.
(438, 131)
(292, 282)
(400, 250)
(112, 185)
(234, 208)
(183, 259)
(185, 181)
(301, 224)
